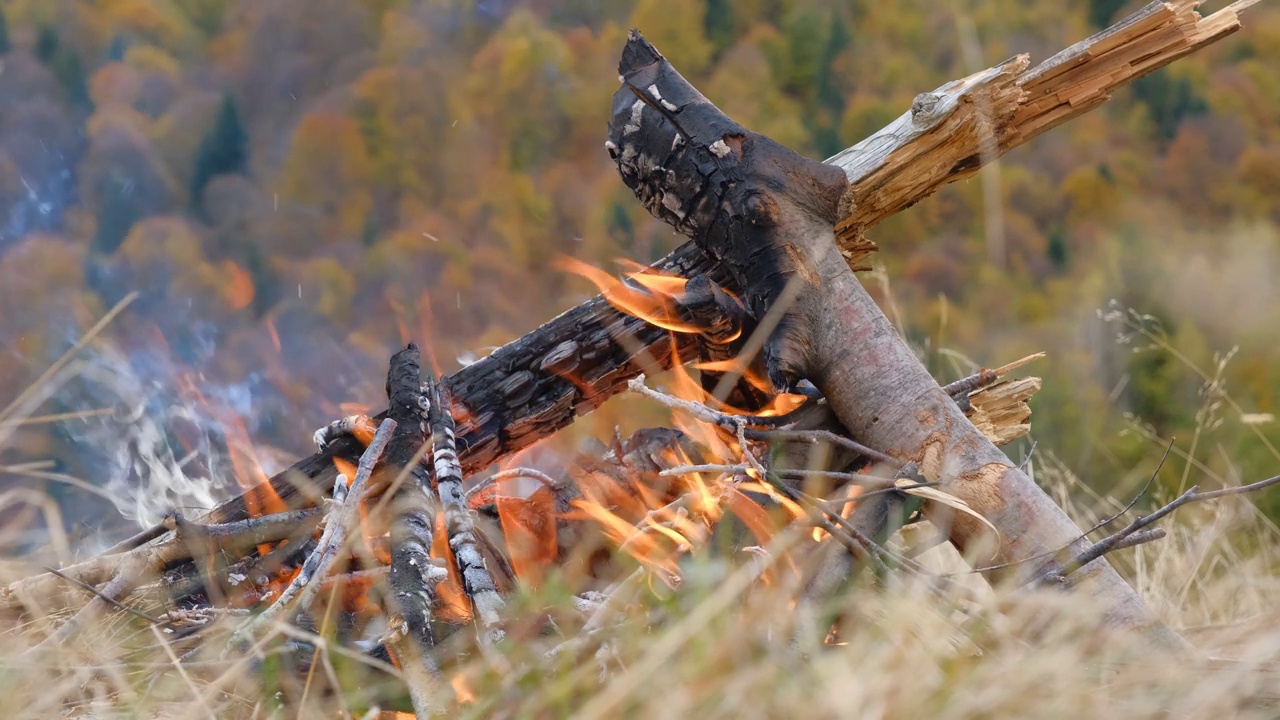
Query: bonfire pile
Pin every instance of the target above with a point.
(408, 563)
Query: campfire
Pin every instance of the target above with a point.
(410, 564)
(808, 449)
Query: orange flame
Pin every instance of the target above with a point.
(529, 527)
(259, 497)
(462, 689)
(454, 606)
(650, 296)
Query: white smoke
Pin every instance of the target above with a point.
(134, 456)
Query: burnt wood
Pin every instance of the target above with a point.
(413, 577)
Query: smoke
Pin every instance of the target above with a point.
(164, 445)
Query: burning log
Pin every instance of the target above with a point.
(768, 216)
(414, 574)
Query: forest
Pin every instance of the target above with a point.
(285, 192)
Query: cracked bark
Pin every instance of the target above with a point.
(767, 216)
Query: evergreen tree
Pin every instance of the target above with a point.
(46, 44)
(67, 68)
(4, 33)
(718, 24)
(224, 150)
(1171, 100)
(119, 46)
(120, 209)
(1057, 250)
(1101, 11)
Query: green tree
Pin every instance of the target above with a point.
(1101, 11)
(718, 24)
(1170, 99)
(67, 68)
(65, 64)
(4, 33)
(119, 210)
(46, 44)
(224, 150)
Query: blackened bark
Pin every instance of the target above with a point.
(413, 577)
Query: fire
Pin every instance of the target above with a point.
(462, 689)
(654, 525)
(647, 295)
(259, 497)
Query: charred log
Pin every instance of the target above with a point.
(767, 215)
(414, 575)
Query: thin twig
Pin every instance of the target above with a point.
(734, 422)
(791, 473)
(985, 377)
(512, 473)
(91, 589)
(1113, 542)
(1142, 537)
(814, 437)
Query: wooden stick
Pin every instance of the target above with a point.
(950, 133)
(414, 576)
(477, 582)
(170, 542)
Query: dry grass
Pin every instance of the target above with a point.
(730, 641)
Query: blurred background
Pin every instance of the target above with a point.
(295, 187)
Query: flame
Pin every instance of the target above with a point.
(654, 523)
(402, 321)
(529, 527)
(454, 606)
(647, 295)
(238, 291)
(634, 541)
(652, 279)
(462, 689)
(427, 329)
(259, 497)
